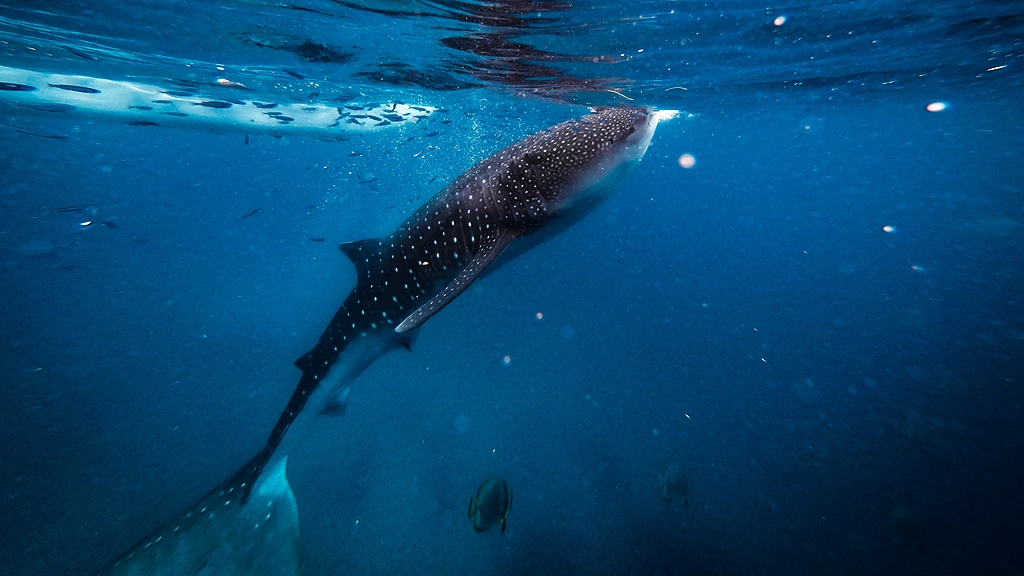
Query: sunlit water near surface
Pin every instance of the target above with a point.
(808, 294)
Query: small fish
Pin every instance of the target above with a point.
(178, 93)
(353, 121)
(110, 224)
(317, 239)
(213, 104)
(79, 53)
(246, 138)
(50, 107)
(82, 209)
(67, 267)
(673, 482)
(12, 87)
(162, 101)
(367, 180)
(285, 118)
(382, 123)
(372, 117)
(420, 153)
(143, 123)
(272, 113)
(265, 105)
(175, 114)
(422, 109)
(293, 74)
(393, 117)
(431, 180)
(140, 107)
(41, 135)
(253, 213)
(183, 83)
(73, 88)
(353, 107)
(491, 504)
(431, 134)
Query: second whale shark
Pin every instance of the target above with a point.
(522, 194)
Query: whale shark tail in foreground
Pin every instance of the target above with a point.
(222, 535)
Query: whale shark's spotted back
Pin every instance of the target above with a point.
(531, 179)
(433, 256)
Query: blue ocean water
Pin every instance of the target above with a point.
(820, 320)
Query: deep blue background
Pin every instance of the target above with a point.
(818, 378)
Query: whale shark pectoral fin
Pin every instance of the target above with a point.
(337, 404)
(490, 247)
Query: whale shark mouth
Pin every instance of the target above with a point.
(663, 115)
(151, 105)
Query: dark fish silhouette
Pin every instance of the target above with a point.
(491, 504)
(214, 104)
(12, 87)
(79, 53)
(73, 88)
(83, 209)
(41, 134)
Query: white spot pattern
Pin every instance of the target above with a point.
(516, 190)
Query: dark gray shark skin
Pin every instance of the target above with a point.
(437, 252)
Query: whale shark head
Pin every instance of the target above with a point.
(590, 154)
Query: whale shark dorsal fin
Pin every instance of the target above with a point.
(490, 247)
(359, 251)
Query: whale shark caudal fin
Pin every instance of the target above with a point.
(221, 535)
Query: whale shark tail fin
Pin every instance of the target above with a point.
(225, 534)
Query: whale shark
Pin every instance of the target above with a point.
(221, 534)
(522, 195)
(542, 183)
